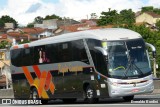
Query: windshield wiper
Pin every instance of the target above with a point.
(138, 69)
(132, 66)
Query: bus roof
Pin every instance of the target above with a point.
(106, 34)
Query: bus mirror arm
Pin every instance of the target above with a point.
(153, 49)
(103, 51)
(154, 58)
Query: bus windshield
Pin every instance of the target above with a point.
(128, 59)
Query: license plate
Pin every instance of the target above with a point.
(135, 90)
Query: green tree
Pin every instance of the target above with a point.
(158, 24)
(110, 17)
(127, 16)
(24, 41)
(4, 44)
(1, 23)
(156, 10)
(150, 9)
(94, 16)
(30, 25)
(8, 19)
(52, 17)
(38, 20)
(147, 9)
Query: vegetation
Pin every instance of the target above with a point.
(4, 44)
(24, 41)
(1, 24)
(150, 9)
(115, 18)
(39, 20)
(8, 19)
(30, 25)
(158, 25)
(52, 17)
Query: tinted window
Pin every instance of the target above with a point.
(27, 56)
(52, 52)
(40, 55)
(16, 57)
(65, 52)
(79, 52)
(97, 56)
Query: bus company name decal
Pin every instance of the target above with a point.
(65, 68)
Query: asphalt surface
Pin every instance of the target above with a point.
(139, 101)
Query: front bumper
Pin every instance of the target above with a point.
(120, 90)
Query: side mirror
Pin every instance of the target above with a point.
(153, 49)
(103, 51)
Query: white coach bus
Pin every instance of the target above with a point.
(89, 64)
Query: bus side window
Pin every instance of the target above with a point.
(98, 58)
(16, 57)
(52, 53)
(27, 56)
(65, 53)
(79, 52)
(39, 55)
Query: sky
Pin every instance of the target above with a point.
(24, 11)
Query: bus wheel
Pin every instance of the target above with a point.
(69, 100)
(90, 94)
(128, 98)
(35, 96)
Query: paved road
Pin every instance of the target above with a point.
(139, 101)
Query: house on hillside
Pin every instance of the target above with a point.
(90, 22)
(19, 37)
(53, 24)
(147, 17)
(38, 32)
(47, 24)
(9, 26)
(66, 22)
(3, 37)
(74, 28)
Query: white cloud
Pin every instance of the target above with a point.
(155, 3)
(23, 10)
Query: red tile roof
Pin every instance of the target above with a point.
(73, 28)
(33, 30)
(3, 36)
(22, 35)
(153, 14)
(6, 40)
(80, 27)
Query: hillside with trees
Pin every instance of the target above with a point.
(7, 19)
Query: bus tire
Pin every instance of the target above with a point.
(128, 98)
(90, 95)
(69, 100)
(35, 96)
